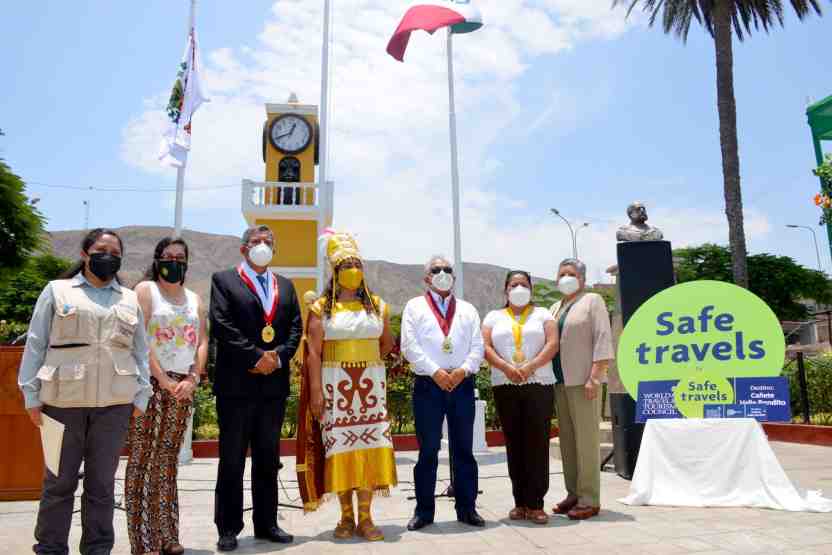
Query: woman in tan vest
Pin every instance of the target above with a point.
(580, 367)
(85, 366)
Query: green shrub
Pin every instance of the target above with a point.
(819, 385)
(9, 331)
(207, 431)
(205, 407)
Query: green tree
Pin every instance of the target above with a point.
(778, 280)
(21, 225)
(722, 19)
(20, 292)
(545, 294)
(607, 294)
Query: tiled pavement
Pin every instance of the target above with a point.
(619, 529)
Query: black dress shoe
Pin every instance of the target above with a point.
(276, 535)
(471, 518)
(227, 543)
(417, 523)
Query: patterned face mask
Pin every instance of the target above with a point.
(172, 271)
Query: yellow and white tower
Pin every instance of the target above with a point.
(290, 201)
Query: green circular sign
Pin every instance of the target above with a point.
(697, 331)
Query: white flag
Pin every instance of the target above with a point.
(185, 99)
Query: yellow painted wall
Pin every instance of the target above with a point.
(297, 242)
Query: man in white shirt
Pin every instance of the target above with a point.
(441, 339)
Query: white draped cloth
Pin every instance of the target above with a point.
(714, 463)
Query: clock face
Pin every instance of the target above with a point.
(290, 134)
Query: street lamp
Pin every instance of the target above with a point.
(572, 231)
(814, 238)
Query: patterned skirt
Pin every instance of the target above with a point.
(355, 429)
(151, 496)
(351, 447)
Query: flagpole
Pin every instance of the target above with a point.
(186, 453)
(180, 171)
(454, 169)
(325, 194)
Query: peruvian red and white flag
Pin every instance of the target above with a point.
(430, 15)
(185, 98)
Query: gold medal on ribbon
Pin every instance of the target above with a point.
(447, 347)
(268, 334)
(519, 357)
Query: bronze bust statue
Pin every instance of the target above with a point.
(638, 230)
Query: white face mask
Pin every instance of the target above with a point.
(519, 296)
(261, 254)
(568, 285)
(442, 281)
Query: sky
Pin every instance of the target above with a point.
(561, 103)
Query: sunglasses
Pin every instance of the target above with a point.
(435, 270)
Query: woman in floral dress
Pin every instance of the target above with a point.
(178, 353)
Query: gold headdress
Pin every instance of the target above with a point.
(339, 247)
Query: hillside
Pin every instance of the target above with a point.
(396, 283)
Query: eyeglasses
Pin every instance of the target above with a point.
(173, 259)
(436, 269)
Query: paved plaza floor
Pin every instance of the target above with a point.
(619, 529)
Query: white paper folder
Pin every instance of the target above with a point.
(52, 438)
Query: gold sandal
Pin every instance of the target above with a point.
(345, 529)
(369, 531)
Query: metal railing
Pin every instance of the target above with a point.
(267, 194)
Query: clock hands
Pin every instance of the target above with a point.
(292, 130)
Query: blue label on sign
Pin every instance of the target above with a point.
(765, 399)
(655, 400)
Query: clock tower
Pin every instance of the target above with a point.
(290, 201)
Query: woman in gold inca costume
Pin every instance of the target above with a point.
(344, 436)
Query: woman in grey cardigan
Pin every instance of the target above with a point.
(580, 367)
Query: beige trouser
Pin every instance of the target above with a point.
(580, 443)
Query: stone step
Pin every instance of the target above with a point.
(554, 449)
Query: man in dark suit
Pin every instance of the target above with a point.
(256, 323)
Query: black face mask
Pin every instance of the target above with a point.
(172, 271)
(104, 266)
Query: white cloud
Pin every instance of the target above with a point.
(389, 127)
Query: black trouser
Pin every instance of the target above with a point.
(431, 405)
(247, 422)
(94, 436)
(525, 413)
